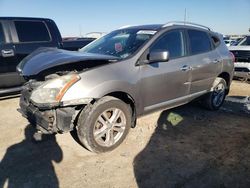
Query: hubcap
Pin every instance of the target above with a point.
(218, 94)
(109, 127)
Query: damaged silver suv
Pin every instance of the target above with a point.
(102, 89)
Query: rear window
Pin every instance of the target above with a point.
(2, 38)
(199, 41)
(216, 41)
(32, 31)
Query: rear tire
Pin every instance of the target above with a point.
(104, 125)
(215, 98)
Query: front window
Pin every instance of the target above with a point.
(120, 43)
(173, 42)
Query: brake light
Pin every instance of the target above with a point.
(233, 57)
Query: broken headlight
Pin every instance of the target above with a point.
(53, 90)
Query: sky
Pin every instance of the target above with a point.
(78, 17)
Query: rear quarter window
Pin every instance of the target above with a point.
(32, 31)
(215, 41)
(199, 42)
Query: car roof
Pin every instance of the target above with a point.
(22, 18)
(155, 27)
(158, 27)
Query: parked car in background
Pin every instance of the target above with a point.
(21, 36)
(102, 89)
(242, 58)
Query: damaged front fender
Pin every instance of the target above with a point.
(51, 118)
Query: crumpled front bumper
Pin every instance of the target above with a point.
(53, 120)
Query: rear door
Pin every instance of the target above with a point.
(204, 60)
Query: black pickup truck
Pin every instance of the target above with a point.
(21, 36)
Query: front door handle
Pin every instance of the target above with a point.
(216, 61)
(7, 53)
(186, 68)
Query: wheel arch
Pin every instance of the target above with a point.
(226, 77)
(128, 99)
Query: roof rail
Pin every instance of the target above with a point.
(185, 23)
(125, 26)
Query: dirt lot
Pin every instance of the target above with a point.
(183, 147)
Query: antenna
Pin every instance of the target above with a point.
(185, 16)
(80, 30)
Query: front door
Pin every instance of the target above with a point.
(163, 82)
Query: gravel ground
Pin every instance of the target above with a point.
(183, 147)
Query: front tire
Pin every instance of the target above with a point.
(215, 98)
(104, 125)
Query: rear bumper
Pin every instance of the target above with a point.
(48, 121)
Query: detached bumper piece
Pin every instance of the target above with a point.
(49, 121)
(242, 72)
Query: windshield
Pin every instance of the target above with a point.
(119, 43)
(245, 41)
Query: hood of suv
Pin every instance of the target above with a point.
(234, 48)
(47, 58)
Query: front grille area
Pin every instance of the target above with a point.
(241, 55)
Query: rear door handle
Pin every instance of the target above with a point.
(186, 68)
(7, 53)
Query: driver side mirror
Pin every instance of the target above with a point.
(160, 56)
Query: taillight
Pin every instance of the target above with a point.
(233, 57)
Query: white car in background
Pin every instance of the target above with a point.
(242, 58)
(229, 42)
